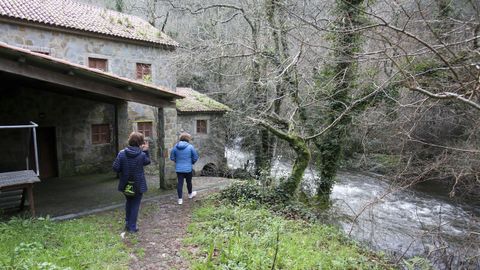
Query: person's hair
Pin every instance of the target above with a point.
(184, 136)
(135, 139)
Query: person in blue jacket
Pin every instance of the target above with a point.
(130, 162)
(184, 155)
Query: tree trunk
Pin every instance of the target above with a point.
(346, 44)
(302, 160)
(303, 156)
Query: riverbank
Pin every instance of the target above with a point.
(249, 236)
(200, 234)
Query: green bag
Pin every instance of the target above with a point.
(129, 189)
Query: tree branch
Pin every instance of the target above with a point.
(447, 95)
(271, 128)
(348, 109)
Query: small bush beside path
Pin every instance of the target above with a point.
(248, 236)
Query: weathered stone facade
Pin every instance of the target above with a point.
(122, 58)
(70, 117)
(210, 146)
(169, 121)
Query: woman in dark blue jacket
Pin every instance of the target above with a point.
(130, 162)
(184, 156)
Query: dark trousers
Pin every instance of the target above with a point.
(188, 177)
(132, 206)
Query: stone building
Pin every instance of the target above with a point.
(202, 117)
(88, 76)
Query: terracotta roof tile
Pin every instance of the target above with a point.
(197, 102)
(78, 16)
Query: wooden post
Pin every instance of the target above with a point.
(22, 200)
(30, 199)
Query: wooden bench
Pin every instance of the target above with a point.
(15, 186)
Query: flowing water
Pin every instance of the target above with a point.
(402, 222)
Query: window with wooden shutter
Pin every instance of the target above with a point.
(201, 126)
(144, 72)
(98, 63)
(145, 128)
(100, 134)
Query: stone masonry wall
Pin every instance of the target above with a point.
(122, 58)
(71, 117)
(169, 138)
(142, 113)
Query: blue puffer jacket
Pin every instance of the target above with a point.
(184, 156)
(131, 160)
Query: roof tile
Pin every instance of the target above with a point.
(78, 16)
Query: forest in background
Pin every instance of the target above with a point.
(390, 87)
(387, 86)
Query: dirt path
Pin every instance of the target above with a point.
(162, 224)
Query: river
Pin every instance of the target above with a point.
(401, 222)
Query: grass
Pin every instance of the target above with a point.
(250, 237)
(41, 244)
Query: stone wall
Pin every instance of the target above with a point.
(142, 113)
(210, 146)
(72, 119)
(169, 121)
(122, 57)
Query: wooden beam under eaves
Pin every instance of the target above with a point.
(83, 83)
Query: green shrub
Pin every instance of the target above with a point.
(255, 196)
(43, 244)
(241, 192)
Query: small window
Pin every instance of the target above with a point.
(145, 128)
(201, 126)
(100, 134)
(144, 72)
(98, 63)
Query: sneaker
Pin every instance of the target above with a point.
(193, 194)
(180, 201)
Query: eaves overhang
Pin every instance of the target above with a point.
(47, 68)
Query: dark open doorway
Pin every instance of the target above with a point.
(47, 152)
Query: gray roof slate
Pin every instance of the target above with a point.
(79, 16)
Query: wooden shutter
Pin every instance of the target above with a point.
(98, 63)
(202, 126)
(145, 128)
(100, 134)
(143, 71)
